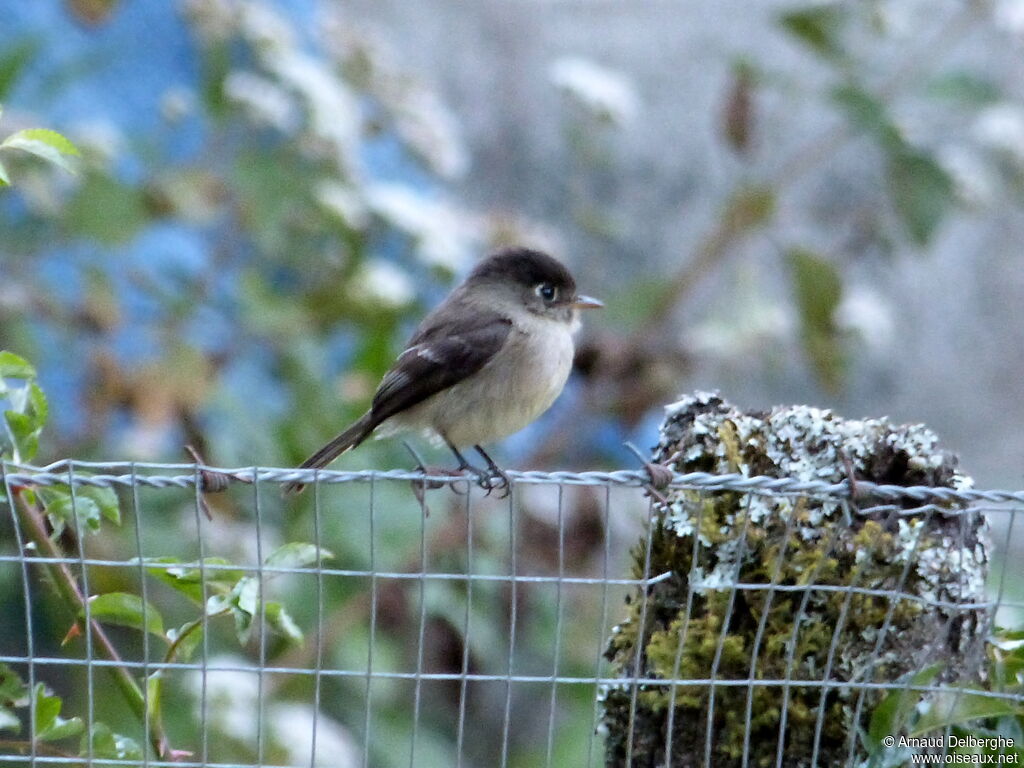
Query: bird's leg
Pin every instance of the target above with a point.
(483, 477)
(496, 473)
(423, 485)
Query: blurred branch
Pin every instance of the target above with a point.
(748, 208)
(617, 371)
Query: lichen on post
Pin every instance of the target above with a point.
(834, 596)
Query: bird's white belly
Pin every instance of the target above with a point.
(508, 393)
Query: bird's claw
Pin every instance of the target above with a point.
(490, 479)
(498, 480)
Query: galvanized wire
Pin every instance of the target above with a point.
(517, 674)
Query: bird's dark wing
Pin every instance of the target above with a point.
(441, 354)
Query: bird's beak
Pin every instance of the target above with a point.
(586, 302)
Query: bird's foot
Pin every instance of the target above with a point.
(483, 477)
(491, 479)
(495, 477)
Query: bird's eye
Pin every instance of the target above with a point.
(546, 291)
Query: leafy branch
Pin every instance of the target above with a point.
(218, 587)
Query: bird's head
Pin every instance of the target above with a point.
(532, 280)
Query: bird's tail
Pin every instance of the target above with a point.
(347, 440)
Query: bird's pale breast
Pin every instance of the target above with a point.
(521, 382)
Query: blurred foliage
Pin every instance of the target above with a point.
(215, 586)
(981, 723)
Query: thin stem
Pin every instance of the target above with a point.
(46, 749)
(71, 595)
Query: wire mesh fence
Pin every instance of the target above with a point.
(382, 619)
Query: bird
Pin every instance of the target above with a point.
(486, 362)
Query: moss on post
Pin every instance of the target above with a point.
(913, 568)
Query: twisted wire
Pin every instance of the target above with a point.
(69, 472)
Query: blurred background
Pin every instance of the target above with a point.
(786, 201)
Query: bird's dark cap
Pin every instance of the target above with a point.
(526, 267)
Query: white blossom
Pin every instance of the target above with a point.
(420, 118)
(973, 179)
(334, 114)
(1009, 14)
(264, 100)
(751, 327)
(344, 201)
(444, 236)
(1001, 127)
(865, 312)
(101, 138)
(384, 283)
(232, 693)
(605, 92)
(263, 26)
(291, 727)
(177, 103)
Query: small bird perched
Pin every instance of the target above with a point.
(490, 359)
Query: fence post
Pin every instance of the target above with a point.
(788, 616)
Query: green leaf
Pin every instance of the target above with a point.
(106, 210)
(108, 745)
(12, 687)
(818, 290)
(25, 431)
(191, 634)
(14, 367)
(49, 725)
(126, 610)
(246, 595)
(47, 709)
(28, 410)
(750, 207)
(817, 27)
(955, 707)
(63, 510)
(38, 404)
(922, 193)
(867, 114)
(893, 712)
(13, 61)
(296, 554)
(965, 88)
(44, 143)
(243, 602)
(105, 499)
(5, 180)
(214, 69)
(282, 623)
(186, 578)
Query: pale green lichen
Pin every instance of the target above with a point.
(916, 560)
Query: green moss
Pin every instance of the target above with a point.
(707, 540)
